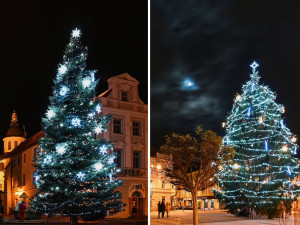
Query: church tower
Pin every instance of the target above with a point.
(14, 135)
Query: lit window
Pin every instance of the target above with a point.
(125, 96)
(16, 144)
(117, 126)
(9, 145)
(136, 128)
(163, 185)
(137, 158)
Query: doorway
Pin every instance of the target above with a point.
(136, 203)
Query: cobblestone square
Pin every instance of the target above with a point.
(217, 217)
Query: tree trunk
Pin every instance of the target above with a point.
(195, 207)
(73, 220)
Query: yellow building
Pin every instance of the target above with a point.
(161, 188)
(128, 130)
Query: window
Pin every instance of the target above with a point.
(16, 144)
(9, 145)
(151, 183)
(163, 185)
(18, 181)
(136, 128)
(24, 158)
(117, 126)
(118, 159)
(19, 160)
(137, 157)
(23, 179)
(125, 96)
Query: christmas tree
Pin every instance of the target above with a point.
(75, 172)
(261, 173)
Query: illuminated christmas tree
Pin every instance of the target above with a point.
(75, 172)
(264, 166)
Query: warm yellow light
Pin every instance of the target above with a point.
(294, 139)
(158, 167)
(152, 165)
(223, 124)
(284, 148)
(260, 120)
(220, 167)
(283, 110)
(238, 97)
(236, 166)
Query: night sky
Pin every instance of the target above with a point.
(200, 57)
(33, 38)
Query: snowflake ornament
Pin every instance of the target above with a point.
(103, 149)
(75, 122)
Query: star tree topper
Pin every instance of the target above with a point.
(254, 65)
(76, 33)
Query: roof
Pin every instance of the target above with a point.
(105, 93)
(125, 76)
(14, 131)
(33, 140)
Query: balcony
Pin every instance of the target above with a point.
(132, 172)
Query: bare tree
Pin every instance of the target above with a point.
(192, 162)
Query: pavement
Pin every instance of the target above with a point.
(64, 221)
(213, 217)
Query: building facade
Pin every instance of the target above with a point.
(162, 189)
(160, 186)
(128, 130)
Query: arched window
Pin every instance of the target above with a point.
(16, 144)
(9, 145)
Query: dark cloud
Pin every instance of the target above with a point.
(213, 43)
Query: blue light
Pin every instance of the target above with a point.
(266, 145)
(249, 112)
(289, 170)
(281, 124)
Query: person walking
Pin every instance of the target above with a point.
(159, 208)
(22, 209)
(168, 209)
(163, 208)
(296, 215)
(280, 210)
